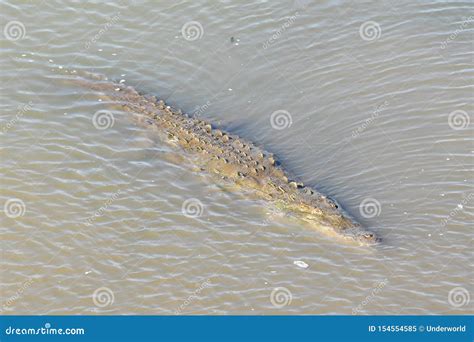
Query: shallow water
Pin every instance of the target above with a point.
(378, 102)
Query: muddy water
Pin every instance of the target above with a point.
(370, 104)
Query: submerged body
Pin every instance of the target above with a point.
(233, 159)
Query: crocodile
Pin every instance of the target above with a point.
(232, 158)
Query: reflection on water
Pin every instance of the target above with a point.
(371, 105)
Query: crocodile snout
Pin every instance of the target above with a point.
(367, 238)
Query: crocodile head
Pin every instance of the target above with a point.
(360, 236)
(327, 217)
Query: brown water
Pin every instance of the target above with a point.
(373, 107)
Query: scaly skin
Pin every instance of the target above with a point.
(233, 159)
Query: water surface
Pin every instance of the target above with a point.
(378, 102)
